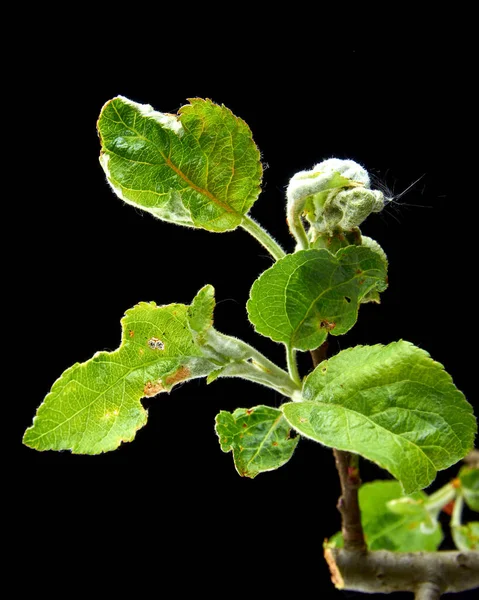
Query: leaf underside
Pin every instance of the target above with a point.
(311, 293)
(387, 530)
(198, 169)
(391, 404)
(94, 406)
(259, 438)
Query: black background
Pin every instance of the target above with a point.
(169, 508)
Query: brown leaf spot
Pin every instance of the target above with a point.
(131, 333)
(275, 444)
(180, 375)
(153, 388)
(245, 426)
(249, 411)
(359, 272)
(327, 325)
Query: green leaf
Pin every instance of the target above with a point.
(199, 169)
(466, 537)
(259, 438)
(95, 406)
(391, 404)
(311, 293)
(200, 313)
(405, 529)
(469, 478)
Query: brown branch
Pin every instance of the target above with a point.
(348, 470)
(348, 504)
(428, 574)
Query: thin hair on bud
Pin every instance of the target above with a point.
(394, 201)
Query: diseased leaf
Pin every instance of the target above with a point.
(95, 406)
(311, 293)
(469, 478)
(199, 169)
(466, 537)
(408, 529)
(391, 404)
(259, 438)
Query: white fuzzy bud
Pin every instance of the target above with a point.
(334, 195)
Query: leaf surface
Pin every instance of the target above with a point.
(406, 529)
(94, 406)
(466, 537)
(311, 293)
(199, 169)
(469, 478)
(391, 404)
(259, 438)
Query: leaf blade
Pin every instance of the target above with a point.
(311, 293)
(466, 537)
(199, 169)
(259, 438)
(371, 400)
(94, 406)
(469, 478)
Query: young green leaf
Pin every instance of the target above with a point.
(391, 404)
(466, 537)
(95, 406)
(408, 529)
(199, 169)
(259, 438)
(469, 478)
(311, 293)
(200, 313)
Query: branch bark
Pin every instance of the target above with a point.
(428, 574)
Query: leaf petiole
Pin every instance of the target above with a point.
(292, 365)
(263, 237)
(437, 501)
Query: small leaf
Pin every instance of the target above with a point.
(311, 293)
(95, 406)
(200, 313)
(199, 169)
(259, 438)
(391, 404)
(213, 376)
(466, 537)
(469, 478)
(396, 530)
